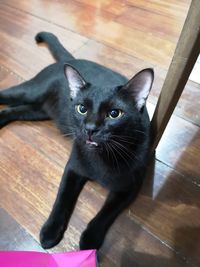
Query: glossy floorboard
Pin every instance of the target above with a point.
(162, 228)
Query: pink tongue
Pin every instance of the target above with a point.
(91, 143)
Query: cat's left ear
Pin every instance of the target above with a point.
(75, 80)
(139, 86)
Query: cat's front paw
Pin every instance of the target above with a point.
(50, 235)
(91, 238)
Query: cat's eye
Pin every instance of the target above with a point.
(115, 113)
(81, 109)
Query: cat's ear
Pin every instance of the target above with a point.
(75, 80)
(139, 86)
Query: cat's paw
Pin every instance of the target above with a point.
(91, 238)
(51, 235)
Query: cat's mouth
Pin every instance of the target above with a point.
(92, 143)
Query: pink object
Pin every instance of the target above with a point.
(85, 258)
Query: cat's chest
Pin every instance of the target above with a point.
(94, 167)
(110, 177)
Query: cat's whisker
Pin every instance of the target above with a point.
(113, 156)
(122, 140)
(131, 152)
(107, 151)
(140, 132)
(124, 137)
(68, 134)
(118, 152)
(125, 150)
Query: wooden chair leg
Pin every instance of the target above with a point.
(186, 53)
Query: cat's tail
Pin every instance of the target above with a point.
(55, 47)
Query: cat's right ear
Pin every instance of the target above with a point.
(75, 80)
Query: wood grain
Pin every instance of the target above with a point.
(13, 236)
(18, 35)
(172, 8)
(183, 155)
(157, 24)
(169, 207)
(103, 29)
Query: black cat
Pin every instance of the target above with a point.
(106, 115)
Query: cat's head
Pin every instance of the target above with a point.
(109, 117)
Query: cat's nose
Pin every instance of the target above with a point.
(90, 129)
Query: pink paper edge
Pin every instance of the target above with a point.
(76, 256)
(56, 259)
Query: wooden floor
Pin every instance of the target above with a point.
(162, 228)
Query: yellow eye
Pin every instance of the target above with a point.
(115, 113)
(81, 109)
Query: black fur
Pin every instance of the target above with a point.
(112, 152)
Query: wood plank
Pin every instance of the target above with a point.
(172, 8)
(34, 184)
(169, 207)
(104, 30)
(113, 8)
(8, 78)
(179, 148)
(157, 24)
(47, 140)
(17, 42)
(135, 247)
(187, 106)
(32, 162)
(14, 236)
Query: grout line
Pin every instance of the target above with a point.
(178, 253)
(175, 112)
(43, 19)
(12, 73)
(83, 45)
(89, 38)
(180, 173)
(23, 228)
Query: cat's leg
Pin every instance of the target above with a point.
(116, 202)
(16, 95)
(34, 91)
(22, 113)
(54, 228)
